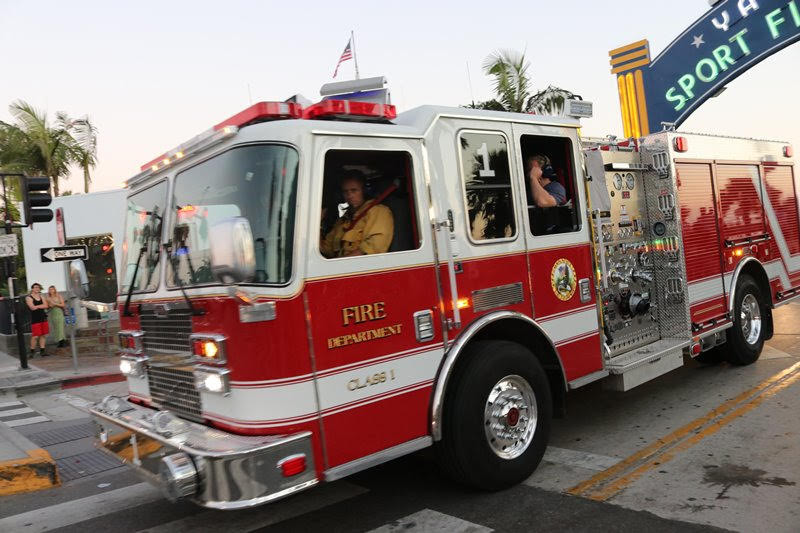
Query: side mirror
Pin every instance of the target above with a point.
(233, 258)
(78, 281)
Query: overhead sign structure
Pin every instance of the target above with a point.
(721, 45)
(8, 245)
(63, 253)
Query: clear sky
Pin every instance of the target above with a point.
(153, 74)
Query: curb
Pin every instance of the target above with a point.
(69, 382)
(92, 379)
(37, 471)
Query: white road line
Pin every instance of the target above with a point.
(9, 404)
(15, 412)
(590, 461)
(75, 511)
(248, 520)
(26, 421)
(430, 521)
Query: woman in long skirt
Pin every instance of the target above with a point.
(56, 315)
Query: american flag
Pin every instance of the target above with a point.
(347, 54)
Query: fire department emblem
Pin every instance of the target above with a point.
(563, 279)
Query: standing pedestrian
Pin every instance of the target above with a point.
(39, 327)
(55, 316)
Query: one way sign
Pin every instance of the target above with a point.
(63, 253)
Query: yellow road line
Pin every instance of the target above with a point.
(611, 481)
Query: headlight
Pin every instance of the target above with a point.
(208, 347)
(213, 380)
(132, 366)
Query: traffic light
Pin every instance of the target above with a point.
(35, 195)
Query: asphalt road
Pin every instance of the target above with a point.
(701, 448)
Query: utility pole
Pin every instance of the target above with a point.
(11, 265)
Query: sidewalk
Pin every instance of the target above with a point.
(57, 371)
(24, 466)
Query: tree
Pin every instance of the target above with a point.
(550, 101)
(85, 149)
(33, 145)
(512, 84)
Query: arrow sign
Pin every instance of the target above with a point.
(63, 253)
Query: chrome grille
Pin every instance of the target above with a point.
(167, 331)
(172, 388)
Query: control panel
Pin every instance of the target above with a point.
(636, 238)
(627, 279)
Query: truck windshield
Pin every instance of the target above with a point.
(144, 215)
(257, 182)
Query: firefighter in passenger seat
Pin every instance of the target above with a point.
(544, 190)
(365, 228)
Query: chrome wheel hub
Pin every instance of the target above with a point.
(510, 417)
(750, 319)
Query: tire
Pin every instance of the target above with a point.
(499, 390)
(746, 336)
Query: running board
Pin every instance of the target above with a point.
(639, 366)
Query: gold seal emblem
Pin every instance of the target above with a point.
(563, 279)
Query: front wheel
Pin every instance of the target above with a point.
(746, 336)
(496, 417)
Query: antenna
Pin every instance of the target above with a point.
(469, 80)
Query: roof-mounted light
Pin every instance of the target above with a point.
(193, 145)
(788, 151)
(579, 109)
(347, 110)
(263, 112)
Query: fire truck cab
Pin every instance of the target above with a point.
(311, 292)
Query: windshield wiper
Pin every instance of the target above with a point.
(126, 311)
(179, 281)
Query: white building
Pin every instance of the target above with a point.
(95, 219)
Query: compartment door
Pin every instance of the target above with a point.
(702, 243)
(374, 319)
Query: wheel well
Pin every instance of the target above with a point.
(529, 336)
(755, 270)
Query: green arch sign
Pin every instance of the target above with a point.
(731, 37)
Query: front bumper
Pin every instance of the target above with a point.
(211, 467)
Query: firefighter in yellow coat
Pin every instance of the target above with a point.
(365, 228)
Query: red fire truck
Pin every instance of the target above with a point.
(258, 367)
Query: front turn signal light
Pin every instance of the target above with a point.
(208, 347)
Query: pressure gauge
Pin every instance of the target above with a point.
(618, 181)
(630, 181)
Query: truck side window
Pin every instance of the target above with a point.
(487, 186)
(367, 204)
(552, 199)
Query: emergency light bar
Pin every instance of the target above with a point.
(263, 112)
(332, 109)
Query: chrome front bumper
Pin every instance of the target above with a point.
(211, 467)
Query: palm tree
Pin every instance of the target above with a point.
(512, 87)
(85, 149)
(511, 82)
(550, 101)
(34, 145)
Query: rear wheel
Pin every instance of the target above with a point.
(746, 336)
(496, 418)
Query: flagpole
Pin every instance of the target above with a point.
(355, 59)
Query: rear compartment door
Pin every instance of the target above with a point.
(374, 320)
(702, 242)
